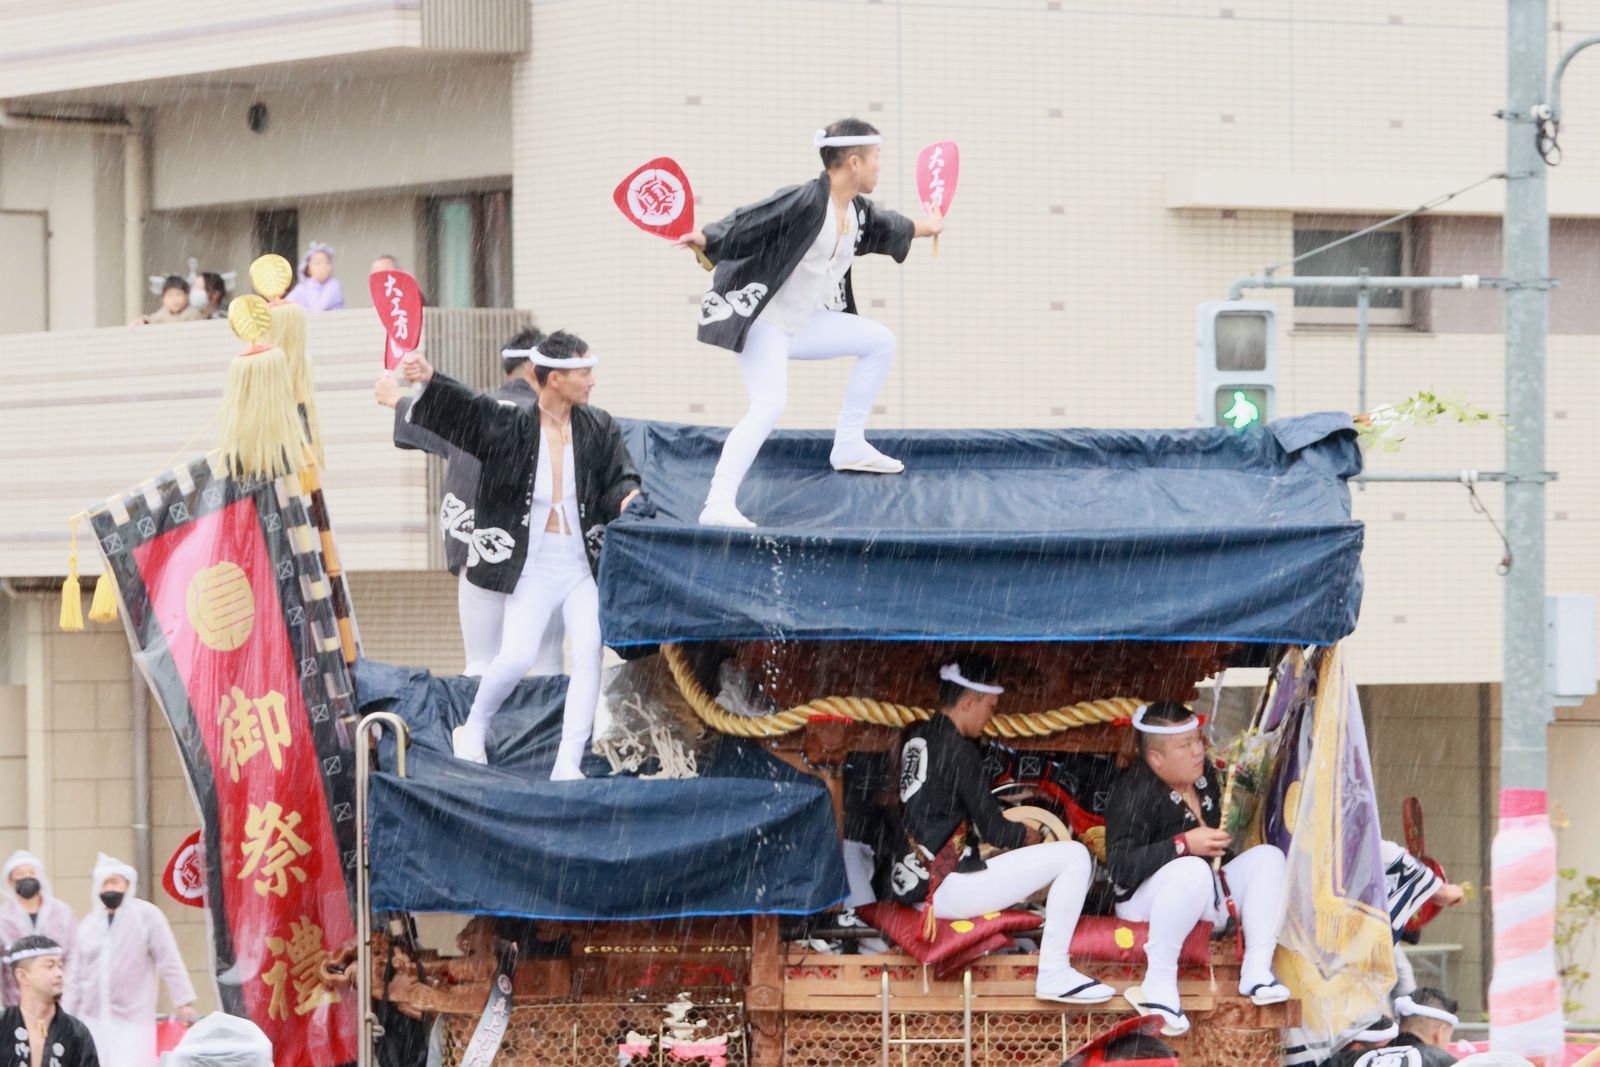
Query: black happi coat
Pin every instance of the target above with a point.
(506, 440)
(1432, 1055)
(460, 475)
(1142, 818)
(67, 1043)
(757, 247)
(942, 785)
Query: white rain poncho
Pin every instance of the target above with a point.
(221, 1040)
(54, 920)
(112, 983)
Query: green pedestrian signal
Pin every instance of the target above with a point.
(1240, 408)
(1236, 363)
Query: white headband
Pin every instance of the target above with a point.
(32, 953)
(822, 140)
(1407, 1006)
(951, 673)
(1370, 1033)
(1192, 723)
(539, 359)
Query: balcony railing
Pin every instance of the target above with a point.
(85, 413)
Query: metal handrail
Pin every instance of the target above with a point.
(368, 733)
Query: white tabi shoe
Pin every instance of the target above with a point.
(1174, 1023)
(461, 751)
(864, 459)
(724, 515)
(1264, 993)
(1077, 989)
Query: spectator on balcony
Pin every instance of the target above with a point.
(175, 306)
(384, 262)
(318, 290)
(209, 293)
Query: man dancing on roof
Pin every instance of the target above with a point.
(548, 478)
(946, 811)
(1161, 836)
(782, 291)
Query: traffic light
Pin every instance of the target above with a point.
(1236, 363)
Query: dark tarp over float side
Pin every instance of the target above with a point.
(999, 535)
(751, 835)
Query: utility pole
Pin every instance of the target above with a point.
(1525, 707)
(1524, 992)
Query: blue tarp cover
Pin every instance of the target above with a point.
(751, 835)
(999, 535)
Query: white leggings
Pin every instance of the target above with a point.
(765, 365)
(482, 613)
(555, 579)
(1015, 876)
(1183, 893)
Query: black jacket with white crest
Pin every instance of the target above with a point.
(506, 440)
(756, 248)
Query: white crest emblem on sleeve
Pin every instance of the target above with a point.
(913, 767)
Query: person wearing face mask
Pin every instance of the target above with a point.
(123, 947)
(30, 909)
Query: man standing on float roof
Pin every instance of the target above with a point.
(782, 291)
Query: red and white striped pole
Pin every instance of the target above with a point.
(1525, 992)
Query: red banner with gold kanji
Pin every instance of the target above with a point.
(211, 588)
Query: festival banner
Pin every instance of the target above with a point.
(1336, 952)
(231, 619)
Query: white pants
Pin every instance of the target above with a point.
(482, 613)
(765, 366)
(1184, 893)
(555, 579)
(1015, 876)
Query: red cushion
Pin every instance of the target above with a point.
(957, 942)
(1111, 940)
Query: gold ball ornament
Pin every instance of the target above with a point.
(251, 318)
(271, 275)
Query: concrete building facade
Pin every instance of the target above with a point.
(1121, 162)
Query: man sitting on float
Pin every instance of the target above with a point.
(945, 811)
(1162, 835)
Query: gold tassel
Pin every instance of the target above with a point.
(261, 434)
(71, 591)
(288, 332)
(104, 607)
(930, 925)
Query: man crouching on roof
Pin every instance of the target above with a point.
(946, 811)
(1162, 833)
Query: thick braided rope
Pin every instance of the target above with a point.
(878, 712)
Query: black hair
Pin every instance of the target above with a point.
(1129, 1047)
(214, 283)
(559, 345)
(174, 281)
(529, 338)
(1161, 713)
(31, 943)
(833, 155)
(974, 667)
(1428, 997)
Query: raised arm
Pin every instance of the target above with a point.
(471, 421)
(884, 232)
(409, 435)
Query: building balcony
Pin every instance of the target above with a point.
(110, 52)
(87, 413)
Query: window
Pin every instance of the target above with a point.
(1383, 253)
(469, 250)
(278, 231)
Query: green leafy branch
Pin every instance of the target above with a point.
(1383, 429)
